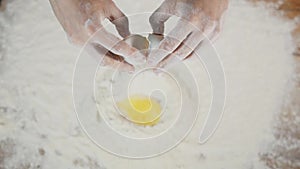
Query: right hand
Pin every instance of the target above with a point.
(81, 19)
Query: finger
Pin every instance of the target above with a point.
(195, 53)
(118, 47)
(111, 42)
(184, 50)
(216, 33)
(118, 18)
(218, 29)
(170, 42)
(161, 15)
(108, 58)
(120, 65)
(188, 46)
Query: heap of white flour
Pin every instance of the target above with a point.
(38, 126)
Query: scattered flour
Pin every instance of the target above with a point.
(38, 124)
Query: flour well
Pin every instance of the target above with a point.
(144, 84)
(38, 126)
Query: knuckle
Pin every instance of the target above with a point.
(195, 19)
(91, 28)
(76, 40)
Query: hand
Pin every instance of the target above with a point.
(198, 19)
(81, 19)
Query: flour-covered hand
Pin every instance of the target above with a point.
(81, 19)
(198, 19)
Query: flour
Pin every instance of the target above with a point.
(169, 99)
(36, 110)
(166, 87)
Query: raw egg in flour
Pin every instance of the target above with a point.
(142, 110)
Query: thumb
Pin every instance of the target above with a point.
(161, 15)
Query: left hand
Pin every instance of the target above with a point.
(198, 19)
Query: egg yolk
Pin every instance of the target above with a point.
(141, 110)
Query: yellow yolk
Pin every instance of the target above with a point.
(141, 109)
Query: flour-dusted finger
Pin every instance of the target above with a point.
(107, 58)
(195, 52)
(188, 46)
(110, 41)
(185, 49)
(118, 47)
(218, 29)
(119, 19)
(113, 61)
(170, 42)
(219, 25)
(161, 15)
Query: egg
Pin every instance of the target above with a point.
(139, 42)
(142, 110)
